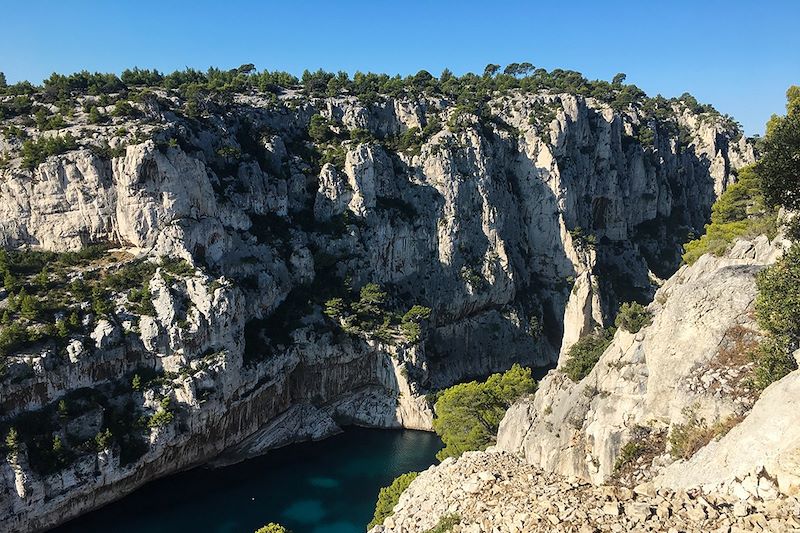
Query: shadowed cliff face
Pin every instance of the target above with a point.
(520, 232)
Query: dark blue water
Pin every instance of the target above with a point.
(319, 487)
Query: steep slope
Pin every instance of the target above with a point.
(496, 491)
(498, 226)
(689, 367)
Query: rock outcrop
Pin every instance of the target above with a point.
(687, 371)
(757, 458)
(689, 363)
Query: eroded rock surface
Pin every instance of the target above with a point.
(690, 366)
(500, 492)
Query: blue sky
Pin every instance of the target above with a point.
(738, 55)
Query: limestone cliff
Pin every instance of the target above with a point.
(519, 233)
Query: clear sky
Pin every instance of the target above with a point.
(738, 55)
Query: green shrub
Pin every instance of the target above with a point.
(632, 317)
(778, 301)
(445, 524)
(773, 360)
(45, 121)
(319, 129)
(96, 117)
(13, 337)
(177, 266)
(130, 275)
(137, 76)
(628, 453)
(718, 237)
(739, 212)
(410, 323)
(160, 418)
(29, 305)
(163, 416)
(371, 309)
(272, 527)
(389, 496)
(335, 155)
(35, 152)
(103, 439)
(12, 441)
(585, 353)
(687, 438)
(142, 300)
(468, 414)
(123, 108)
(335, 308)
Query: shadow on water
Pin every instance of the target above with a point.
(319, 487)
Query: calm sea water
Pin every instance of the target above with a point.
(319, 487)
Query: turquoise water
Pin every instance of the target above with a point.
(320, 487)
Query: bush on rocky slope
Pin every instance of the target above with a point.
(446, 523)
(389, 496)
(45, 292)
(468, 414)
(35, 152)
(740, 212)
(632, 317)
(778, 312)
(778, 302)
(585, 353)
(272, 527)
(694, 433)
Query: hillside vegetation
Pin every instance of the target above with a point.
(468, 414)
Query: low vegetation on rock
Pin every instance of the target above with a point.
(272, 527)
(389, 496)
(374, 314)
(446, 523)
(740, 212)
(584, 354)
(694, 433)
(632, 317)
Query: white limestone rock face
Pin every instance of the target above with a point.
(105, 335)
(300, 422)
(334, 194)
(155, 189)
(764, 449)
(65, 203)
(648, 379)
